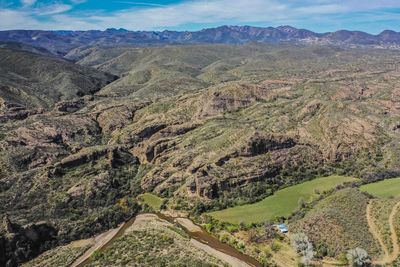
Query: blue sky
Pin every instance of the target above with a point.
(371, 16)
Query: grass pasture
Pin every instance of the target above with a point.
(386, 188)
(282, 203)
(152, 200)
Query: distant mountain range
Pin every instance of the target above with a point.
(61, 42)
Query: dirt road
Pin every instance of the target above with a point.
(387, 257)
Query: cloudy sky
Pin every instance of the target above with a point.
(319, 15)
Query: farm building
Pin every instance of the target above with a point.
(283, 228)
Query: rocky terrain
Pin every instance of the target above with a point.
(205, 126)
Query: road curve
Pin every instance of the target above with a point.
(387, 257)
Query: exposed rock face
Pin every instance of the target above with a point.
(47, 139)
(154, 150)
(77, 190)
(259, 144)
(237, 170)
(396, 128)
(115, 118)
(19, 244)
(18, 115)
(70, 106)
(13, 112)
(52, 133)
(9, 227)
(115, 156)
(231, 97)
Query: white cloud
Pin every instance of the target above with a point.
(11, 19)
(27, 3)
(51, 9)
(209, 11)
(140, 3)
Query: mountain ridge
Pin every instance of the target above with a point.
(61, 42)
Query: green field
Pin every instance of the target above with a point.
(152, 200)
(386, 188)
(282, 203)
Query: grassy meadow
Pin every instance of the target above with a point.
(386, 188)
(282, 203)
(152, 200)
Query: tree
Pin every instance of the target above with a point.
(270, 232)
(252, 236)
(242, 226)
(301, 203)
(303, 246)
(358, 257)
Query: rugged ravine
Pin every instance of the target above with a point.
(199, 238)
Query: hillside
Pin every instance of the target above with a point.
(204, 126)
(171, 70)
(32, 80)
(344, 214)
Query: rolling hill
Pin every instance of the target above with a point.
(205, 127)
(34, 80)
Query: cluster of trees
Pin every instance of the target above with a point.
(371, 177)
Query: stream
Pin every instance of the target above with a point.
(199, 235)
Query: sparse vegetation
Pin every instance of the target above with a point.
(338, 223)
(62, 256)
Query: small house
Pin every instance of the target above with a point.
(283, 228)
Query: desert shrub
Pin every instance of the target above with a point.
(358, 257)
(321, 251)
(303, 246)
(275, 246)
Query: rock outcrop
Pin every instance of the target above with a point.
(21, 243)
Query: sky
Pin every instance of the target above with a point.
(371, 16)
